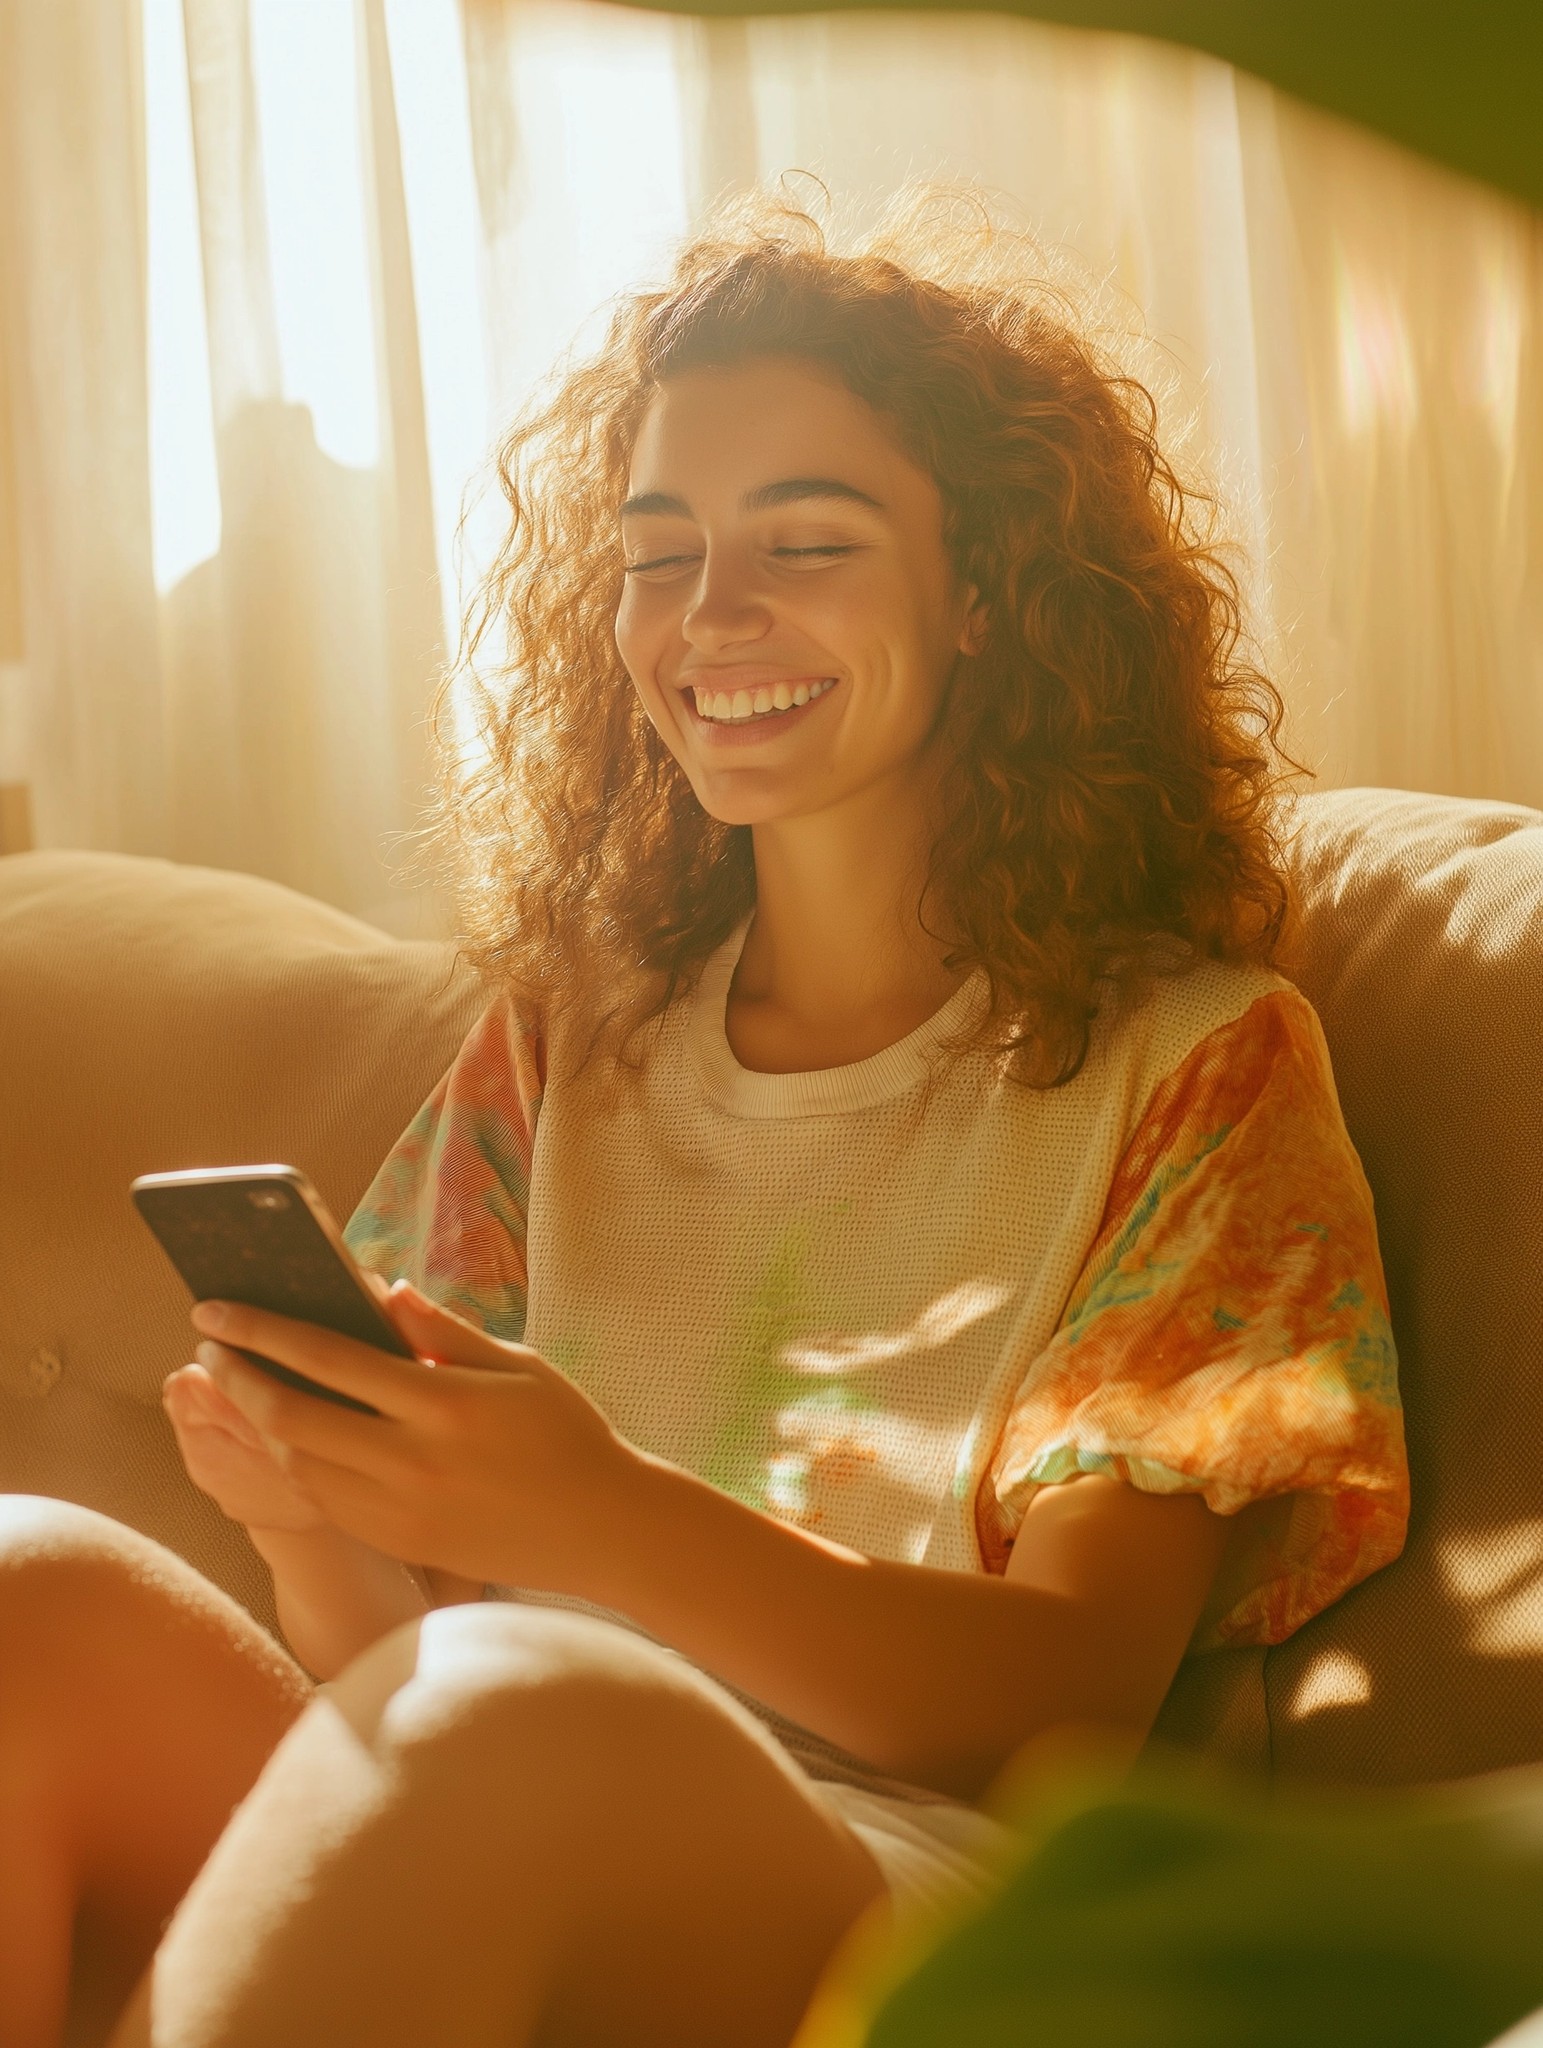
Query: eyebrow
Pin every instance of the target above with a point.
(788, 490)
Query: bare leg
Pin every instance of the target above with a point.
(137, 1705)
(507, 1825)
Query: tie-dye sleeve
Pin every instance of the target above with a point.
(1229, 1336)
(447, 1208)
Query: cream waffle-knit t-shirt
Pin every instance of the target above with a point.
(887, 1301)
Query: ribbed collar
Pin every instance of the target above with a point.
(830, 1090)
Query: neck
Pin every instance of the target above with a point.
(836, 938)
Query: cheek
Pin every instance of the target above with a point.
(630, 638)
(642, 643)
(909, 641)
(640, 654)
(849, 620)
(646, 635)
(931, 627)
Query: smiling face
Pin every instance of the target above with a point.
(791, 617)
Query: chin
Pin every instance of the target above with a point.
(745, 810)
(748, 805)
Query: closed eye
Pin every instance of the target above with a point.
(660, 562)
(824, 553)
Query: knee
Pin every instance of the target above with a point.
(499, 1682)
(66, 1584)
(55, 1556)
(78, 1590)
(34, 1525)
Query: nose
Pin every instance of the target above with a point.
(726, 608)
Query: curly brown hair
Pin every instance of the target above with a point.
(1110, 808)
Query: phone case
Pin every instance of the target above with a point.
(262, 1235)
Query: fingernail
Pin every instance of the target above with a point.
(210, 1315)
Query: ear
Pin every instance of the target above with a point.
(972, 634)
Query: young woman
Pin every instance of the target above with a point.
(890, 1272)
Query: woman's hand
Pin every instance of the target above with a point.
(484, 1460)
(227, 1458)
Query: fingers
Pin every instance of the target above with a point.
(393, 1385)
(438, 1333)
(193, 1401)
(186, 1390)
(287, 1420)
(227, 1458)
(398, 1387)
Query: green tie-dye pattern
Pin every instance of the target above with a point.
(1060, 1462)
(1108, 1286)
(1373, 1364)
(504, 1200)
(755, 1384)
(1366, 1361)
(381, 1233)
(388, 1234)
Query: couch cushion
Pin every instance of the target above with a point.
(159, 1016)
(1421, 946)
(1422, 949)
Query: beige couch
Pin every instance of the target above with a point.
(155, 1016)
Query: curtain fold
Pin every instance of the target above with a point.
(297, 659)
(253, 351)
(72, 299)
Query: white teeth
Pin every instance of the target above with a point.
(724, 707)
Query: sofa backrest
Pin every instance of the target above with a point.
(1421, 946)
(155, 1016)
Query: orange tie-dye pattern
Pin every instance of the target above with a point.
(1229, 1334)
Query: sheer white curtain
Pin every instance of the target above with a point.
(272, 271)
(223, 547)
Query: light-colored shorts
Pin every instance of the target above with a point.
(933, 1854)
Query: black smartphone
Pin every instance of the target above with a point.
(262, 1235)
